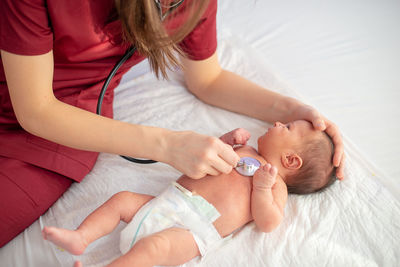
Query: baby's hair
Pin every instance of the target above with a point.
(317, 171)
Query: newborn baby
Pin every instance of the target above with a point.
(192, 217)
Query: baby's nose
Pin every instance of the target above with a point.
(277, 124)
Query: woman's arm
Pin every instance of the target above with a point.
(268, 198)
(221, 88)
(210, 83)
(29, 80)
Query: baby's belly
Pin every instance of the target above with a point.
(229, 193)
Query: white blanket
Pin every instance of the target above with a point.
(353, 223)
(343, 57)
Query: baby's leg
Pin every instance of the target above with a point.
(121, 206)
(173, 246)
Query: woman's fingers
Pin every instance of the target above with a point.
(338, 156)
(316, 119)
(340, 168)
(221, 160)
(228, 155)
(323, 124)
(339, 150)
(210, 171)
(197, 155)
(333, 131)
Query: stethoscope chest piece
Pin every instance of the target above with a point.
(247, 166)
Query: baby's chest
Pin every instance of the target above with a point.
(234, 197)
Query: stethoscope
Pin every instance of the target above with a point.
(246, 166)
(129, 52)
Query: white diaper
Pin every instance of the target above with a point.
(175, 207)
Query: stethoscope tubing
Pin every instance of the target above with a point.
(114, 70)
(129, 52)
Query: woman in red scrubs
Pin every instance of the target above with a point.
(55, 57)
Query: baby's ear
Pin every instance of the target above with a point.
(290, 160)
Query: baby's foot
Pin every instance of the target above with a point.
(71, 241)
(265, 177)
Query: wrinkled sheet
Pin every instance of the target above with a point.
(353, 223)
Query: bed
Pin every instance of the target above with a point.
(339, 56)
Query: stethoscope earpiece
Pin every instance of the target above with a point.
(171, 7)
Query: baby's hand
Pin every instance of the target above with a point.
(238, 136)
(265, 177)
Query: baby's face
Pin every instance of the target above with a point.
(284, 136)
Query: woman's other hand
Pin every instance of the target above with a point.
(323, 124)
(198, 155)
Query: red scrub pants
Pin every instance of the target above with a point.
(26, 192)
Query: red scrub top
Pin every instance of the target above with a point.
(86, 45)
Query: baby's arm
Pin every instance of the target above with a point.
(238, 136)
(268, 198)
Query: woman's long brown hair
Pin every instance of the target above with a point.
(158, 40)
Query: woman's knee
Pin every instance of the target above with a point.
(24, 196)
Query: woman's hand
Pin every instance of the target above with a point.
(198, 155)
(215, 86)
(323, 124)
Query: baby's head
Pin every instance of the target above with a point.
(302, 155)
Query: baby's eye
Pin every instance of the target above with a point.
(288, 126)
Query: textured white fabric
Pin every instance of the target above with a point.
(346, 67)
(353, 223)
(342, 56)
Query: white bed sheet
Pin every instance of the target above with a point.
(354, 223)
(342, 56)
